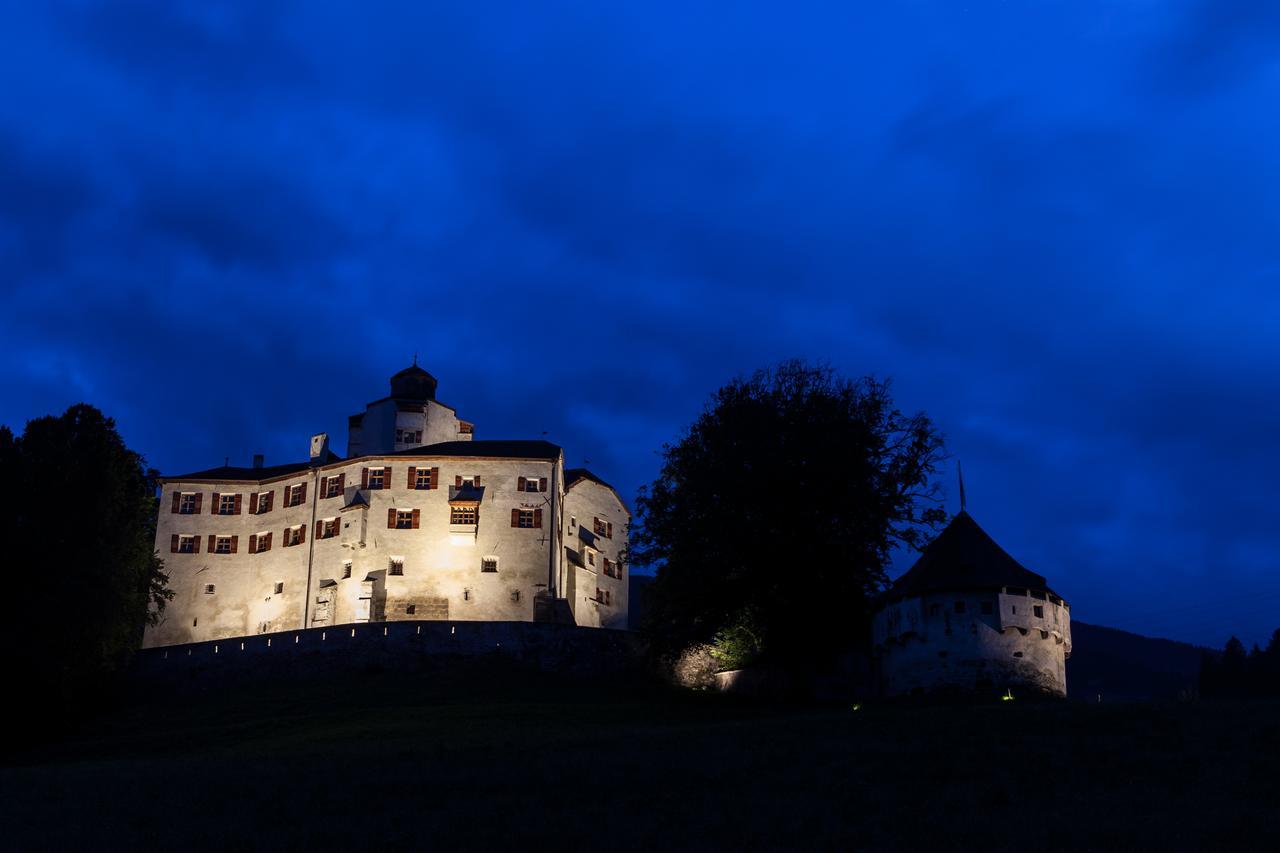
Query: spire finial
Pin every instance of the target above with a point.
(415, 359)
(960, 472)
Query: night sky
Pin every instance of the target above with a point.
(1052, 224)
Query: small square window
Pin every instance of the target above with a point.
(404, 519)
(591, 558)
(333, 487)
(187, 504)
(346, 570)
(227, 505)
(209, 589)
(525, 519)
(279, 587)
(465, 515)
(422, 478)
(186, 544)
(489, 564)
(411, 609)
(222, 545)
(1038, 610)
(296, 494)
(515, 595)
(377, 476)
(396, 567)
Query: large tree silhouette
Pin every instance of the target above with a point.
(78, 514)
(775, 516)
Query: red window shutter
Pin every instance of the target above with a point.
(435, 478)
(477, 479)
(302, 534)
(173, 544)
(324, 487)
(417, 513)
(267, 545)
(515, 516)
(457, 481)
(212, 541)
(235, 543)
(537, 518)
(303, 499)
(195, 544)
(215, 506)
(199, 500)
(253, 543)
(253, 504)
(542, 484)
(285, 540)
(342, 482)
(391, 517)
(520, 483)
(413, 477)
(177, 501)
(364, 478)
(386, 477)
(237, 508)
(319, 529)
(271, 499)
(608, 530)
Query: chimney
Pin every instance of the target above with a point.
(319, 448)
(257, 460)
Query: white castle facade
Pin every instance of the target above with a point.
(420, 521)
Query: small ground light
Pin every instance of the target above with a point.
(1008, 695)
(856, 706)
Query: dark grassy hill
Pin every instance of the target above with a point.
(488, 758)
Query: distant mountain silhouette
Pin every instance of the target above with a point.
(1117, 664)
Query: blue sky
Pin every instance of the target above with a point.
(1052, 224)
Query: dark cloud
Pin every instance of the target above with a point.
(227, 228)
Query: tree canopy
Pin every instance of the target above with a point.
(775, 516)
(78, 514)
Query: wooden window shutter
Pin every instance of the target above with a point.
(386, 477)
(215, 506)
(267, 546)
(177, 501)
(413, 477)
(253, 543)
(235, 543)
(303, 499)
(457, 481)
(342, 483)
(195, 544)
(173, 544)
(435, 478)
(324, 487)
(213, 540)
(537, 518)
(302, 534)
(608, 530)
(271, 499)
(319, 528)
(417, 513)
(515, 516)
(364, 478)
(391, 517)
(253, 504)
(199, 500)
(238, 497)
(477, 480)
(520, 484)
(542, 484)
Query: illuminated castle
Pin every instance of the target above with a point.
(421, 521)
(968, 617)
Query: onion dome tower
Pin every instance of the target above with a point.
(967, 617)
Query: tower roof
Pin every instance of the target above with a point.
(413, 383)
(965, 557)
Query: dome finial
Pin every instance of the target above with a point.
(960, 472)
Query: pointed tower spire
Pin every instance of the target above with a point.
(960, 472)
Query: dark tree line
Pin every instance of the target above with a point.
(1240, 674)
(77, 518)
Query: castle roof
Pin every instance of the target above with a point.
(573, 476)
(965, 557)
(414, 383)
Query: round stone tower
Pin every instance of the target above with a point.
(967, 617)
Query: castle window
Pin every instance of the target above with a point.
(209, 589)
(222, 545)
(279, 587)
(959, 606)
(395, 567)
(466, 595)
(411, 609)
(465, 428)
(604, 597)
(408, 436)
(603, 528)
(195, 622)
(346, 570)
(1017, 654)
(1039, 611)
(612, 569)
(327, 528)
(525, 518)
(515, 595)
(531, 484)
(422, 478)
(259, 542)
(376, 478)
(591, 558)
(333, 486)
(1013, 608)
(488, 564)
(404, 519)
(187, 503)
(465, 515)
(260, 502)
(294, 536)
(986, 608)
(297, 494)
(1044, 635)
(228, 504)
(186, 544)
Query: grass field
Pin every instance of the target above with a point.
(500, 759)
